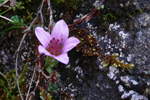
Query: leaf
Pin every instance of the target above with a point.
(5, 88)
(52, 87)
(49, 69)
(42, 97)
(23, 72)
(49, 64)
(9, 29)
(4, 12)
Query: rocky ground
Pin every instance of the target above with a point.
(122, 27)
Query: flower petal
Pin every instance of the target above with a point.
(63, 58)
(69, 44)
(43, 50)
(43, 36)
(60, 30)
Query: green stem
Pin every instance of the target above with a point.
(6, 89)
(10, 29)
(4, 12)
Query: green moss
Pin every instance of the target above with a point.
(1, 1)
(116, 63)
(11, 93)
(106, 17)
(45, 95)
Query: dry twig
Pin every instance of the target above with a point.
(37, 83)
(36, 18)
(17, 54)
(18, 50)
(31, 82)
(51, 16)
(88, 16)
(6, 18)
(4, 3)
(12, 3)
(5, 78)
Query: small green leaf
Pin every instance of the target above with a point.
(49, 69)
(42, 97)
(8, 93)
(52, 87)
(102, 6)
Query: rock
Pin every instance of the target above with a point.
(124, 31)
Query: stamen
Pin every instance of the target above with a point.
(55, 47)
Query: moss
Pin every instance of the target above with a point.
(11, 93)
(106, 17)
(89, 47)
(44, 95)
(1, 1)
(114, 62)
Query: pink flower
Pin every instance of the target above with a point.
(56, 44)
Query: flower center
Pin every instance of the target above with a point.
(55, 47)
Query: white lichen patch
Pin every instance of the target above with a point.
(114, 26)
(117, 82)
(129, 57)
(101, 64)
(80, 74)
(112, 72)
(22, 58)
(136, 96)
(79, 16)
(124, 79)
(92, 30)
(79, 70)
(120, 88)
(128, 81)
(123, 34)
(123, 44)
(71, 88)
(121, 54)
(127, 94)
(148, 82)
(134, 82)
(133, 95)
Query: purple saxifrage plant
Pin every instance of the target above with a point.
(56, 44)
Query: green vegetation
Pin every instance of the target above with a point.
(13, 20)
(106, 17)
(17, 23)
(1, 1)
(8, 88)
